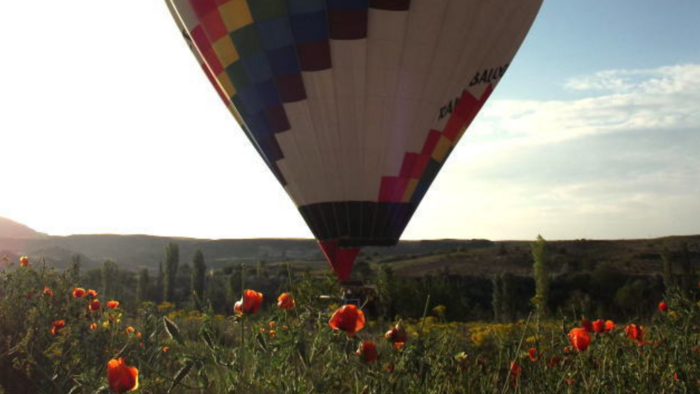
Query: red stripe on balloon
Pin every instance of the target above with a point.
(392, 189)
(202, 43)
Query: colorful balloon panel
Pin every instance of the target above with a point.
(355, 105)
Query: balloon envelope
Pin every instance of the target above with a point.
(355, 104)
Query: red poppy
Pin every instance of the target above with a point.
(532, 354)
(635, 332)
(92, 293)
(663, 307)
(78, 292)
(515, 369)
(367, 352)
(397, 335)
(57, 326)
(47, 291)
(586, 325)
(348, 318)
(609, 325)
(94, 305)
(249, 304)
(166, 349)
(93, 326)
(599, 326)
(121, 377)
(579, 339)
(130, 330)
(112, 304)
(285, 301)
(23, 261)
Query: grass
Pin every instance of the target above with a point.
(278, 351)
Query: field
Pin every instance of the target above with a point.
(55, 337)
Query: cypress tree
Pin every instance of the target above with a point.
(198, 273)
(541, 275)
(497, 298)
(110, 275)
(159, 283)
(172, 261)
(142, 285)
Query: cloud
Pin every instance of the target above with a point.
(619, 101)
(619, 161)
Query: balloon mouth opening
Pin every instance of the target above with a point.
(341, 259)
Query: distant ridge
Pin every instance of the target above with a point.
(12, 229)
(475, 257)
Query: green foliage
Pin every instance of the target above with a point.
(172, 261)
(142, 285)
(540, 273)
(498, 298)
(198, 274)
(110, 273)
(278, 351)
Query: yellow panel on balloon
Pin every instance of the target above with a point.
(235, 14)
(226, 84)
(442, 149)
(412, 185)
(225, 51)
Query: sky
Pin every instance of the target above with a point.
(108, 126)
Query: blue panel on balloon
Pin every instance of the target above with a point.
(257, 67)
(347, 4)
(284, 61)
(275, 33)
(258, 125)
(268, 94)
(311, 27)
(305, 6)
(250, 99)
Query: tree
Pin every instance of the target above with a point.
(198, 274)
(142, 285)
(667, 261)
(110, 275)
(540, 274)
(75, 266)
(497, 298)
(172, 261)
(159, 283)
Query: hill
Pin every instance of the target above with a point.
(12, 229)
(408, 258)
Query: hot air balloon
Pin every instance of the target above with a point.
(354, 105)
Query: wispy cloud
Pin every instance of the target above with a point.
(621, 160)
(618, 101)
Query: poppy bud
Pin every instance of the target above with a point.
(367, 352)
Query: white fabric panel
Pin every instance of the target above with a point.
(483, 50)
(385, 36)
(425, 22)
(349, 59)
(303, 159)
(384, 93)
(184, 12)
